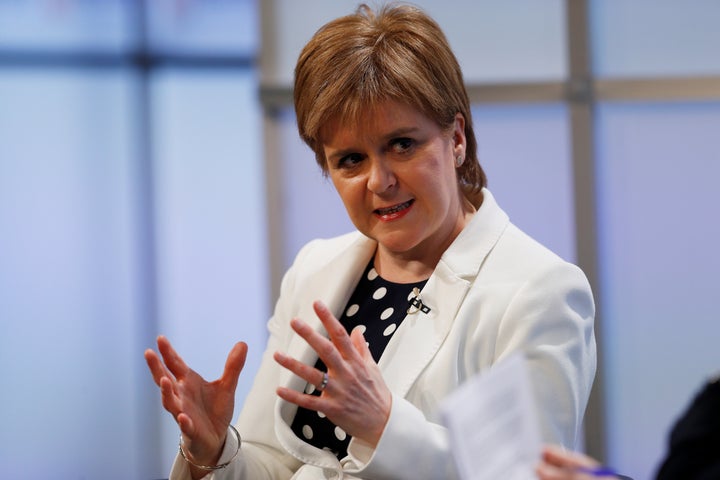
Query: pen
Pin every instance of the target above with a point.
(597, 471)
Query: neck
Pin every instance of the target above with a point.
(396, 268)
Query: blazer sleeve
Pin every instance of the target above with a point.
(411, 447)
(551, 320)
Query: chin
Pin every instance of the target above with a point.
(396, 245)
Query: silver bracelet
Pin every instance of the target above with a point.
(216, 467)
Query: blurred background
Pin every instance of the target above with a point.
(152, 181)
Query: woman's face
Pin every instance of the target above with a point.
(395, 173)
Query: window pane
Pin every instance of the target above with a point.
(211, 222)
(522, 40)
(65, 25)
(494, 41)
(658, 199)
(69, 359)
(311, 208)
(655, 37)
(201, 26)
(525, 153)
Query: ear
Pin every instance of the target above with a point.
(458, 136)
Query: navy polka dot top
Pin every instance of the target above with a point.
(377, 306)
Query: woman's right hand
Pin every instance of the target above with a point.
(203, 410)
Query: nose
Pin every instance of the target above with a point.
(381, 177)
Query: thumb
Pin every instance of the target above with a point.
(234, 365)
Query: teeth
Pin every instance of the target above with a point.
(396, 208)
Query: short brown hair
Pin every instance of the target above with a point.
(354, 63)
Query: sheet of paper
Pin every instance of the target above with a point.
(493, 424)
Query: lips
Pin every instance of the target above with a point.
(392, 211)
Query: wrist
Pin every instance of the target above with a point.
(232, 443)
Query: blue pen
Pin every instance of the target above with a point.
(598, 471)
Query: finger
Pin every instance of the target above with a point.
(360, 344)
(187, 427)
(325, 349)
(234, 365)
(173, 361)
(170, 400)
(549, 472)
(306, 372)
(157, 368)
(311, 402)
(336, 331)
(560, 457)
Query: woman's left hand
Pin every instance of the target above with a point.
(356, 397)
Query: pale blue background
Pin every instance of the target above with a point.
(91, 268)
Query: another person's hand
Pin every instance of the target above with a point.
(560, 464)
(203, 410)
(356, 397)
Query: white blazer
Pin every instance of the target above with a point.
(494, 292)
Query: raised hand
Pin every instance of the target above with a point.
(202, 409)
(356, 397)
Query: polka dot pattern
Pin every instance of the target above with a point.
(377, 307)
(372, 274)
(379, 293)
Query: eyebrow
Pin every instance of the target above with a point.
(401, 131)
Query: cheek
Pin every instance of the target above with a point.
(434, 176)
(350, 192)
(441, 185)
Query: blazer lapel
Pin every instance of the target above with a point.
(421, 334)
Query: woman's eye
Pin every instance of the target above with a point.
(349, 161)
(400, 145)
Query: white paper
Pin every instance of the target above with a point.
(493, 424)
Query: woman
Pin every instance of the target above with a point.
(373, 329)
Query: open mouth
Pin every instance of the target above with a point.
(394, 209)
